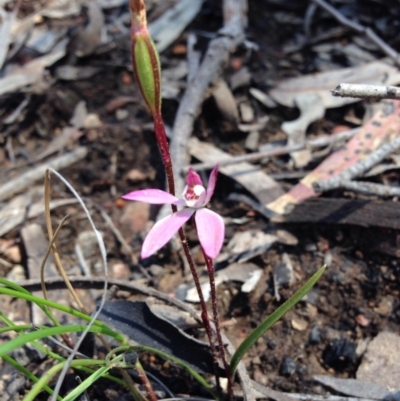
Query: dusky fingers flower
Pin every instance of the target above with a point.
(209, 225)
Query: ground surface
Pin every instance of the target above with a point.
(357, 297)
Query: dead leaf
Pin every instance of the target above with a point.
(42, 39)
(264, 188)
(28, 205)
(31, 72)
(246, 245)
(311, 109)
(74, 73)
(166, 29)
(384, 126)
(226, 103)
(355, 388)
(247, 273)
(263, 98)
(283, 275)
(321, 84)
(7, 19)
(118, 102)
(89, 38)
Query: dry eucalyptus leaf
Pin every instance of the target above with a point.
(311, 109)
(247, 273)
(166, 29)
(264, 188)
(226, 102)
(321, 84)
(355, 388)
(31, 72)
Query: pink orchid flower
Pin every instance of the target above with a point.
(209, 225)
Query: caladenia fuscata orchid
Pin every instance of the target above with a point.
(210, 231)
(209, 225)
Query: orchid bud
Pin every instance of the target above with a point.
(146, 63)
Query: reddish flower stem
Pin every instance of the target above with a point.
(161, 136)
(211, 275)
(204, 314)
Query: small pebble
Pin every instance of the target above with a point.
(136, 175)
(362, 320)
(252, 141)
(299, 324)
(288, 367)
(339, 353)
(16, 274)
(315, 335)
(92, 121)
(121, 114)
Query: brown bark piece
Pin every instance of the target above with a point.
(357, 212)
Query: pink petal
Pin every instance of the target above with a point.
(192, 178)
(211, 184)
(211, 231)
(153, 196)
(164, 230)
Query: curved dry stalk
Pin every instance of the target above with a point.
(49, 249)
(136, 394)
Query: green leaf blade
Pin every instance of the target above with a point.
(273, 318)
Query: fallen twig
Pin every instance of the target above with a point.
(25, 180)
(367, 91)
(371, 188)
(228, 38)
(313, 143)
(359, 168)
(368, 32)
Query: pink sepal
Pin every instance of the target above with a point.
(211, 184)
(153, 196)
(211, 231)
(163, 231)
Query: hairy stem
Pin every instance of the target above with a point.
(204, 314)
(162, 142)
(221, 347)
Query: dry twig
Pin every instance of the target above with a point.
(25, 180)
(359, 168)
(235, 21)
(370, 188)
(367, 91)
(252, 157)
(368, 32)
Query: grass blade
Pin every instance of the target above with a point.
(272, 319)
